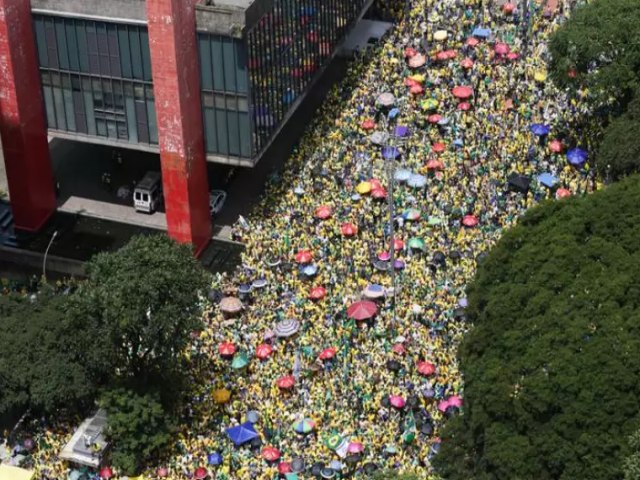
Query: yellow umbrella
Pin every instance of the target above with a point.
(429, 104)
(440, 35)
(363, 187)
(418, 77)
(540, 76)
(221, 395)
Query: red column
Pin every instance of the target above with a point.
(22, 120)
(176, 86)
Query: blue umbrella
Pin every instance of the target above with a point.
(458, 142)
(540, 129)
(244, 288)
(443, 121)
(393, 113)
(577, 156)
(417, 181)
(481, 32)
(547, 180)
(401, 131)
(390, 153)
(310, 270)
(214, 458)
(242, 433)
(402, 175)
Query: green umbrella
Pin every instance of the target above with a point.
(333, 441)
(435, 221)
(416, 243)
(240, 360)
(291, 476)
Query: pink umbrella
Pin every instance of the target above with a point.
(362, 310)
(375, 183)
(501, 48)
(563, 193)
(472, 41)
(410, 52)
(348, 229)
(443, 405)
(513, 56)
(355, 447)
(434, 165)
(384, 256)
(462, 92)
(379, 193)
(286, 382)
(270, 454)
(556, 146)
(398, 244)
(417, 61)
(464, 106)
(328, 353)
(434, 118)
(396, 401)
(442, 56)
(466, 63)
(263, 351)
(426, 368)
(227, 349)
(399, 349)
(438, 147)
(469, 221)
(450, 54)
(106, 473)
(508, 8)
(323, 212)
(416, 89)
(303, 256)
(163, 472)
(317, 293)
(368, 124)
(201, 473)
(455, 401)
(410, 82)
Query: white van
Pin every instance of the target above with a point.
(147, 196)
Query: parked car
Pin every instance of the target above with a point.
(216, 201)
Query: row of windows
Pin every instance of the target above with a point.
(223, 64)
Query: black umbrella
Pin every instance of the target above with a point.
(316, 468)
(394, 365)
(297, 465)
(426, 428)
(439, 259)
(518, 183)
(353, 459)
(380, 265)
(370, 468)
(256, 443)
(215, 295)
(385, 402)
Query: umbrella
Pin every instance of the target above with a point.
(463, 302)
(286, 328)
(440, 35)
(438, 147)
(393, 365)
(472, 41)
(402, 174)
(439, 258)
(368, 124)
(398, 244)
(335, 464)
(434, 118)
(380, 265)
(547, 179)
(466, 63)
(426, 368)
(215, 296)
(355, 447)
(230, 305)
(270, 454)
(327, 473)
(398, 264)
(323, 212)
(328, 353)
(386, 99)
(348, 229)
(244, 288)
(370, 468)
(334, 441)
(263, 351)
(378, 193)
(286, 382)
(577, 156)
(411, 214)
(401, 131)
(508, 7)
(241, 434)
(384, 256)
(390, 153)
(417, 61)
(399, 349)
(563, 193)
(363, 188)
(513, 56)
(501, 48)
(455, 401)
(462, 91)
(540, 129)
(106, 473)
(309, 270)
(253, 416)
(469, 221)
(555, 146)
(416, 243)
(443, 405)
(298, 465)
(410, 52)
(396, 401)
(417, 181)
(317, 293)
(393, 113)
(518, 182)
(226, 349)
(481, 32)
(443, 121)
(304, 426)
(241, 360)
(303, 256)
(539, 76)
(429, 104)
(378, 138)
(442, 56)
(362, 310)
(374, 291)
(259, 283)
(221, 395)
(200, 473)
(284, 468)
(214, 458)
(435, 165)
(464, 106)
(298, 190)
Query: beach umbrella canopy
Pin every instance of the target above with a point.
(162, 472)
(410, 52)
(334, 441)
(327, 472)
(540, 76)
(440, 35)
(417, 181)
(106, 473)
(270, 454)
(284, 468)
(241, 360)
(472, 41)
(362, 310)
(221, 395)
(214, 458)
(317, 293)
(501, 48)
(434, 164)
(241, 434)
(540, 129)
(455, 401)
(416, 243)
(286, 382)
(390, 153)
(379, 193)
(466, 63)
(348, 229)
(386, 99)
(411, 214)
(227, 349)
(438, 147)
(426, 368)
(481, 32)
(563, 193)
(303, 256)
(462, 91)
(374, 291)
(399, 349)
(286, 328)
(402, 174)
(304, 426)
(264, 351)
(363, 188)
(384, 256)
(547, 179)
(244, 288)
(469, 221)
(442, 56)
(323, 212)
(201, 473)
(397, 401)
(464, 106)
(309, 270)
(393, 113)
(556, 146)
(401, 131)
(259, 283)
(398, 264)
(577, 157)
(513, 56)
(230, 305)
(298, 465)
(508, 7)
(368, 124)
(434, 118)
(328, 353)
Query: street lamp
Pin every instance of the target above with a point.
(46, 252)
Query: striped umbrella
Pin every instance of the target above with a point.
(304, 426)
(230, 305)
(286, 328)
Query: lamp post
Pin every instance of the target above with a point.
(46, 252)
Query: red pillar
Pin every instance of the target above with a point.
(176, 87)
(22, 120)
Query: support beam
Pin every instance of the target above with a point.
(22, 120)
(176, 86)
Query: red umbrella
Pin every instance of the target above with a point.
(410, 82)
(508, 7)
(397, 401)
(450, 54)
(434, 165)
(317, 293)
(513, 56)
(384, 256)
(464, 106)
(368, 124)
(348, 229)
(286, 382)
(462, 92)
(469, 221)
(398, 244)
(434, 118)
(466, 63)
(438, 147)
(556, 146)
(323, 212)
(362, 310)
(263, 351)
(375, 183)
(201, 473)
(106, 473)
(501, 48)
(409, 52)
(399, 349)
(328, 353)
(284, 467)
(379, 193)
(426, 368)
(303, 256)
(416, 89)
(563, 193)
(270, 454)
(472, 41)
(226, 349)
(442, 56)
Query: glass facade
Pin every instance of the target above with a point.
(225, 105)
(286, 48)
(96, 78)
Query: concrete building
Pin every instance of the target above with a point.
(194, 80)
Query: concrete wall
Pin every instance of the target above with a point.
(122, 11)
(220, 20)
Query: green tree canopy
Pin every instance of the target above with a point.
(142, 304)
(552, 370)
(632, 462)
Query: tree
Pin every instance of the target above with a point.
(632, 462)
(551, 366)
(601, 44)
(142, 302)
(393, 475)
(619, 152)
(138, 427)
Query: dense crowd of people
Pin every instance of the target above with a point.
(339, 393)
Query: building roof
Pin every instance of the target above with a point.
(243, 4)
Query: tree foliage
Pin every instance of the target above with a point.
(619, 152)
(601, 43)
(142, 304)
(632, 462)
(138, 427)
(552, 371)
